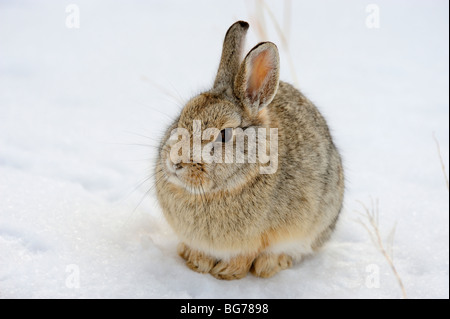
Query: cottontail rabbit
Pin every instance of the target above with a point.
(233, 217)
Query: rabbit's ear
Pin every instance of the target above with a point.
(231, 55)
(257, 80)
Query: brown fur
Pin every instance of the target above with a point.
(230, 217)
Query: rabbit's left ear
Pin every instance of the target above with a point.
(257, 80)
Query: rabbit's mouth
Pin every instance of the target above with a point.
(190, 176)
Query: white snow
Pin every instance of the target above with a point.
(75, 102)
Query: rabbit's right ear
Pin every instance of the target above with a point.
(231, 55)
(256, 83)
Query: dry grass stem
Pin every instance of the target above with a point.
(283, 33)
(372, 228)
(442, 161)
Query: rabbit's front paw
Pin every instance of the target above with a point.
(196, 260)
(267, 265)
(235, 268)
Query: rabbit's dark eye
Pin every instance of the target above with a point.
(225, 135)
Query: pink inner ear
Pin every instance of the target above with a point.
(260, 67)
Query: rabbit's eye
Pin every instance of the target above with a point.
(225, 135)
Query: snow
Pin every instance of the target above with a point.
(81, 111)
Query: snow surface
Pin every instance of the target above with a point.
(81, 111)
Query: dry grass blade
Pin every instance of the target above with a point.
(287, 18)
(375, 235)
(442, 161)
(260, 22)
(282, 33)
(369, 231)
(390, 242)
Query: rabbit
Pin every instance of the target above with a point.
(232, 219)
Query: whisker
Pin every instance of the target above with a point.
(148, 192)
(139, 144)
(147, 179)
(144, 136)
(154, 109)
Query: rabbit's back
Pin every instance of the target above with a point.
(310, 184)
